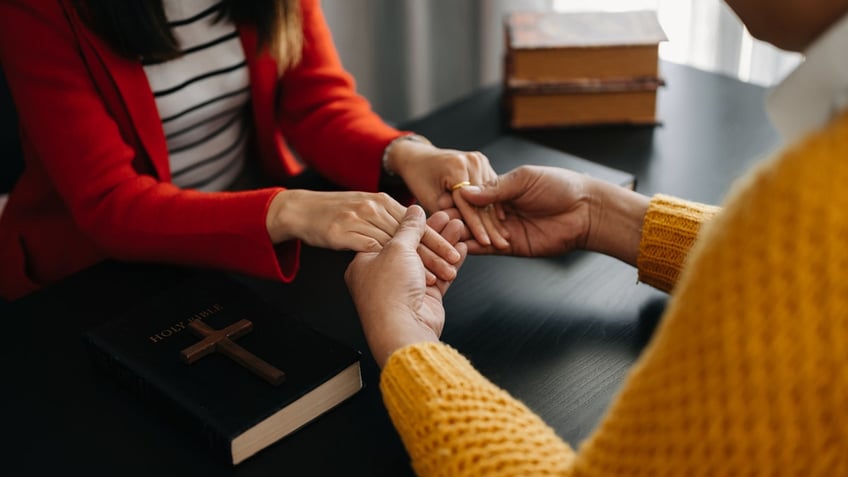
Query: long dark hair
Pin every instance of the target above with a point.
(139, 29)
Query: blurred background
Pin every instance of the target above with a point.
(411, 56)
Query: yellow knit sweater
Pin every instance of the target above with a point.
(747, 375)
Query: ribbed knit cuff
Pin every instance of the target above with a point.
(453, 421)
(415, 372)
(670, 228)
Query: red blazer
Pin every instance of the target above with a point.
(97, 182)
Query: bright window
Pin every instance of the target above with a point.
(705, 34)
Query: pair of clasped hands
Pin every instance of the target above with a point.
(406, 261)
(530, 211)
(364, 222)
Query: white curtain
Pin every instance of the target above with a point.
(412, 56)
(705, 34)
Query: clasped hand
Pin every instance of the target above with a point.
(358, 221)
(435, 177)
(395, 305)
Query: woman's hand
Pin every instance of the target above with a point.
(551, 211)
(435, 176)
(358, 221)
(395, 306)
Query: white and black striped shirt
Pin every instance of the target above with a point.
(202, 97)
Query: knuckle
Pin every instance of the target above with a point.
(364, 208)
(346, 216)
(456, 161)
(373, 245)
(335, 229)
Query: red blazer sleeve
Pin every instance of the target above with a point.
(331, 126)
(68, 131)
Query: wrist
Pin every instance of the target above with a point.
(616, 218)
(406, 332)
(401, 150)
(280, 219)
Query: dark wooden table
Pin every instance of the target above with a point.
(560, 334)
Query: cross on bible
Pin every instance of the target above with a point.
(222, 341)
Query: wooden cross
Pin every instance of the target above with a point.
(222, 341)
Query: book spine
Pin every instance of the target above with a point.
(147, 390)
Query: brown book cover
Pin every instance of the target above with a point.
(550, 45)
(535, 110)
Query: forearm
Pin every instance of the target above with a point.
(453, 421)
(161, 223)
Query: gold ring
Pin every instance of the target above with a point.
(460, 185)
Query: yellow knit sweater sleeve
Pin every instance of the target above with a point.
(455, 422)
(668, 232)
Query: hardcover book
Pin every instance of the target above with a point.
(553, 105)
(508, 152)
(226, 365)
(574, 69)
(599, 45)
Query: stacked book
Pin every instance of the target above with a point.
(590, 68)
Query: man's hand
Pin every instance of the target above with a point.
(551, 211)
(395, 304)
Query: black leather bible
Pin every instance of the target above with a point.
(228, 405)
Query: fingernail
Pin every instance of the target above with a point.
(454, 256)
(473, 189)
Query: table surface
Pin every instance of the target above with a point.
(560, 334)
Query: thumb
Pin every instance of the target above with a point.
(504, 189)
(411, 229)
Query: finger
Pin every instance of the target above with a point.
(432, 249)
(453, 231)
(472, 219)
(506, 187)
(493, 227)
(435, 242)
(443, 285)
(438, 221)
(443, 250)
(411, 229)
(384, 213)
(492, 178)
(453, 213)
(444, 201)
(498, 218)
(499, 209)
(368, 229)
(429, 278)
(436, 264)
(475, 248)
(359, 242)
(449, 215)
(481, 172)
